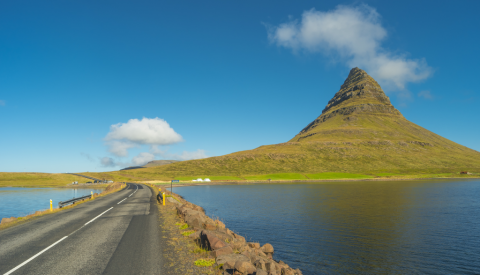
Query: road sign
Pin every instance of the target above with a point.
(175, 181)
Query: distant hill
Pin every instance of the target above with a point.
(154, 163)
(359, 131)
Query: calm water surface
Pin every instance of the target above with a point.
(406, 227)
(17, 202)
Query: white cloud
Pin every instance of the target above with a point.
(153, 132)
(355, 35)
(142, 159)
(2, 103)
(426, 95)
(148, 131)
(108, 162)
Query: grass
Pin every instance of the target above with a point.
(279, 176)
(37, 179)
(213, 178)
(337, 176)
(205, 262)
(188, 233)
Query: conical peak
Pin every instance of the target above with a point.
(357, 76)
(358, 88)
(360, 95)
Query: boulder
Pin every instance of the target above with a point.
(211, 241)
(267, 248)
(261, 272)
(260, 264)
(239, 238)
(254, 245)
(194, 218)
(6, 220)
(245, 267)
(229, 260)
(226, 250)
(270, 267)
(220, 224)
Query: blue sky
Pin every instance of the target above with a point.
(207, 78)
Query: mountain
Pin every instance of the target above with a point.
(154, 163)
(359, 131)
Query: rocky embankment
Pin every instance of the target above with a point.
(232, 253)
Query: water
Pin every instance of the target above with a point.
(404, 227)
(18, 202)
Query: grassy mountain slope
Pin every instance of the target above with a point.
(359, 131)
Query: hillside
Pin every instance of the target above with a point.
(359, 131)
(154, 163)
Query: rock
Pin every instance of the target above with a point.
(6, 220)
(260, 253)
(260, 264)
(297, 272)
(261, 272)
(194, 218)
(239, 238)
(211, 241)
(267, 248)
(209, 225)
(281, 262)
(245, 267)
(254, 245)
(271, 269)
(229, 260)
(221, 251)
(220, 224)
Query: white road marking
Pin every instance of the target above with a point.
(99, 216)
(122, 200)
(33, 257)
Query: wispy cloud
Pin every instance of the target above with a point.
(88, 156)
(354, 34)
(108, 162)
(426, 95)
(3, 103)
(142, 159)
(148, 131)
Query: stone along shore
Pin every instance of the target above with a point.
(233, 255)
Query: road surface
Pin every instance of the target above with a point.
(114, 234)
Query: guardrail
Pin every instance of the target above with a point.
(63, 203)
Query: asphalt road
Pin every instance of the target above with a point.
(115, 234)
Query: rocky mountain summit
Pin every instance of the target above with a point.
(360, 93)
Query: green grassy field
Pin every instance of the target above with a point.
(37, 179)
(321, 176)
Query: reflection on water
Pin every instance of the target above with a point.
(18, 202)
(405, 227)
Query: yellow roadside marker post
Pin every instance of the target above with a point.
(91, 192)
(51, 205)
(163, 198)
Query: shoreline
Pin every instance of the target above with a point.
(231, 253)
(299, 181)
